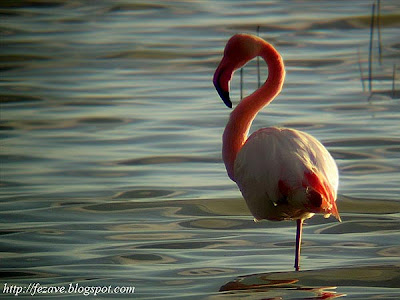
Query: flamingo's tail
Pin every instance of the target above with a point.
(321, 195)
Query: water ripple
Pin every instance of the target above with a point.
(111, 168)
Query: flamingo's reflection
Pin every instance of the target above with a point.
(282, 285)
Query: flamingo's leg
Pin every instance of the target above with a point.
(298, 244)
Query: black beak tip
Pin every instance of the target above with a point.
(227, 99)
(224, 96)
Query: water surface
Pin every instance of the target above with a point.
(111, 172)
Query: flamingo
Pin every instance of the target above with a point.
(282, 173)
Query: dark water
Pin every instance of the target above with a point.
(111, 172)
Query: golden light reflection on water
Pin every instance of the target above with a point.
(205, 272)
(144, 227)
(209, 223)
(143, 258)
(317, 283)
(150, 236)
(390, 252)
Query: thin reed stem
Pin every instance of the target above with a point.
(258, 62)
(360, 69)
(393, 82)
(371, 37)
(241, 83)
(378, 20)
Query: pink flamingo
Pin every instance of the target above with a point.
(283, 173)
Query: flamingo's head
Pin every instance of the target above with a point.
(238, 51)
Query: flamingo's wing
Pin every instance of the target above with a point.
(286, 174)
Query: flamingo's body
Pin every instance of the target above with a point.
(283, 174)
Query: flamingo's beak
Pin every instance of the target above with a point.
(223, 94)
(221, 82)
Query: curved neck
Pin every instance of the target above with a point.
(237, 129)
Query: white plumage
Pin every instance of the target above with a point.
(275, 154)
